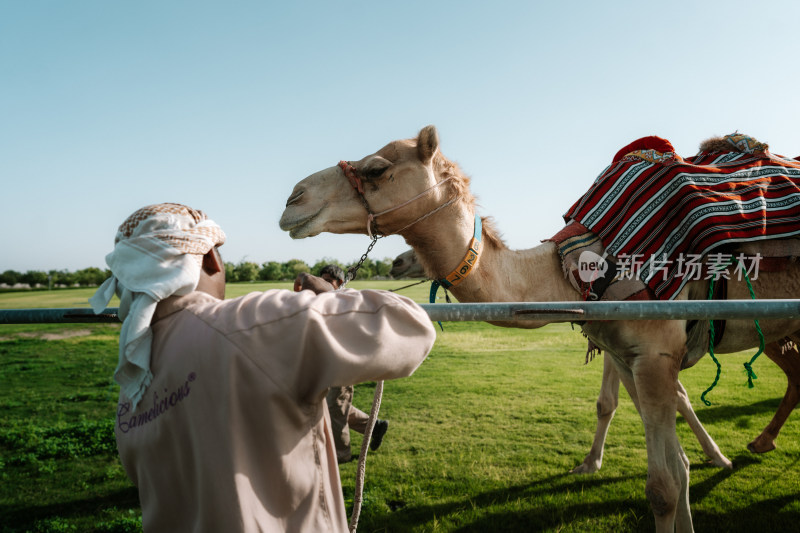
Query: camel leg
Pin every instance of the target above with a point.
(667, 488)
(789, 361)
(607, 402)
(606, 407)
(649, 370)
(706, 442)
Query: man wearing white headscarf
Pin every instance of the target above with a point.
(222, 422)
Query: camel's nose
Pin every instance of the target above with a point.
(295, 197)
(397, 263)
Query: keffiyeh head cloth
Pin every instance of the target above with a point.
(157, 253)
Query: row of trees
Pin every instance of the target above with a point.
(242, 271)
(274, 271)
(55, 278)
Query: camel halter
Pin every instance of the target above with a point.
(352, 175)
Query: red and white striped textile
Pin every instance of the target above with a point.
(652, 203)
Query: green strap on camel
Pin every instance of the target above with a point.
(748, 366)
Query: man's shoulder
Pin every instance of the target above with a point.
(286, 308)
(247, 311)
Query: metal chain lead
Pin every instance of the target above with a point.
(353, 270)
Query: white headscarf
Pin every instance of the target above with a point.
(157, 253)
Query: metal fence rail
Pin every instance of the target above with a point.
(508, 311)
(60, 315)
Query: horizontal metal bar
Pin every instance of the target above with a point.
(509, 311)
(60, 315)
(628, 310)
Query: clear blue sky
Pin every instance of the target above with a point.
(109, 106)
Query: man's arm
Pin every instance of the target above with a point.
(307, 343)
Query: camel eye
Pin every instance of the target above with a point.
(373, 173)
(375, 168)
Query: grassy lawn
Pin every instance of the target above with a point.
(481, 438)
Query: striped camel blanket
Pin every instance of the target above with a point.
(651, 214)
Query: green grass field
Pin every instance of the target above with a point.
(481, 438)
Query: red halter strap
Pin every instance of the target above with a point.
(350, 172)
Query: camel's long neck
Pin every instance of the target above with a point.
(501, 275)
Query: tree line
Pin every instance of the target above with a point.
(55, 278)
(274, 271)
(244, 271)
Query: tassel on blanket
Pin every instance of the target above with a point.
(788, 345)
(592, 350)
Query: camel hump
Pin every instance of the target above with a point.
(735, 142)
(655, 148)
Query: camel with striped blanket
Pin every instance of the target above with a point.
(409, 188)
(784, 354)
(407, 265)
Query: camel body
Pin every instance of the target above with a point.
(407, 265)
(423, 196)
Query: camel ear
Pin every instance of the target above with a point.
(427, 143)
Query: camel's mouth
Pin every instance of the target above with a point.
(398, 272)
(299, 227)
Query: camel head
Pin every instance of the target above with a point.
(399, 184)
(406, 265)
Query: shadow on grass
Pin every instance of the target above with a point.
(765, 515)
(624, 514)
(698, 491)
(732, 412)
(537, 518)
(25, 518)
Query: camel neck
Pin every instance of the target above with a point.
(501, 274)
(441, 242)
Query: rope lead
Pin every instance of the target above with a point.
(362, 457)
(711, 351)
(748, 367)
